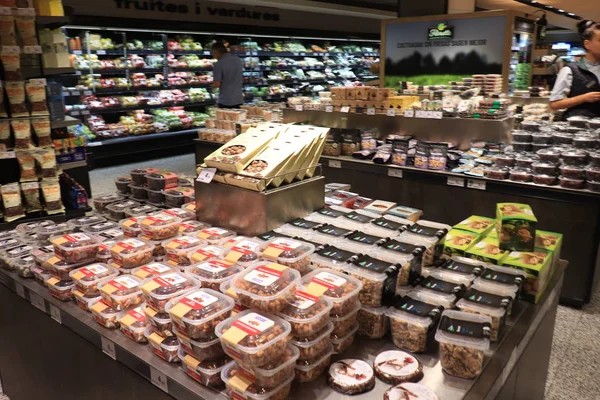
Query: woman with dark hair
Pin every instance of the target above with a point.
(577, 86)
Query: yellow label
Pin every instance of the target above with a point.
(150, 286)
(150, 312)
(52, 281)
(53, 260)
(179, 310)
(128, 320)
(130, 222)
(99, 307)
(59, 241)
(191, 362)
(78, 275)
(156, 339)
(233, 256)
(240, 382)
(277, 267)
(234, 335)
(315, 289)
(231, 293)
(78, 294)
(108, 289)
(272, 253)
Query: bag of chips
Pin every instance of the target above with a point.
(42, 127)
(16, 99)
(12, 64)
(11, 198)
(31, 194)
(27, 163)
(36, 94)
(52, 198)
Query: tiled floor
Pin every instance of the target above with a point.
(575, 361)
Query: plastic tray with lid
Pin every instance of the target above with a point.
(116, 211)
(100, 202)
(289, 252)
(372, 322)
(342, 344)
(160, 289)
(215, 236)
(131, 253)
(213, 272)
(332, 258)
(41, 254)
(388, 226)
(141, 210)
(242, 250)
(95, 228)
(178, 248)
(452, 291)
(178, 196)
(207, 373)
(360, 243)
(60, 268)
(464, 266)
(356, 220)
(201, 349)
(23, 265)
(160, 226)
(104, 255)
(161, 321)
(342, 325)
(131, 227)
(44, 233)
(330, 234)
(306, 313)
(205, 253)
(86, 301)
(184, 215)
(494, 306)
(111, 235)
(138, 175)
(300, 227)
(312, 347)
(41, 275)
(75, 247)
(378, 279)
(408, 256)
(8, 242)
(62, 290)
(28, 227)
(328, 215)
(121, 292)
(265, 237)
(86, 278)
(343, 290)
(133, 324)
(161, 180)
(316, 367)
(166, 347)
(138, 192)
(152, 269)
(78, 223)
(105, 315)
(189, 228)
(253, 392)
(453, 277)
(275, 372)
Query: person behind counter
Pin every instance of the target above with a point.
(577, 86)
(228, 77)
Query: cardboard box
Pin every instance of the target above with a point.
(487, 250)
(515, 225)
(538, 266)
(409, 213)
(549, 241)
(380, 206)
(362, 93)
(351, 93)
(476, 224)
(457, 242)
(338, 93)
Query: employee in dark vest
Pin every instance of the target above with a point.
(228, 77)
(577, 87)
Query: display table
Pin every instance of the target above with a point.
(66, 366)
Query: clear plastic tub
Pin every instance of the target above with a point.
(342, 344)
(449, 276)
(434, 298)
(138, 192)
(252, 391)
(189, 228)
(116, 211)
(372, 322)
(44, 233)
(243, 251)
(179, 196)
(7, 243)
(330, 234)
(103, 254)
(14, 252)
(23, 265)
(61, 269)
(343, 325)
(408, 256)
(429, 234)
(291, 253)
(102, 201)
(462, 353)
(155, 197)
(111, 235)
(215, 236)
(140, 211)
(378, 279)
(160, 226)
(166, 347)
(131, 227)
(254, 339)
(160, 321)
(266, 286)
(133, 324)
(464, 266)
(42, 254)
(307, 314)
(161, 180)
(75, 247)
(207, 373)
(201, 349)
(29, 227)
(86, 278)
(197, 313)
(138, 175)
(151, 270)
(205, 253)
(451, 291)
(360, 243)
(131, 253)
(177, 249)
(77, 224)
(388, 226)
(312, 347)
(300, 227)
(105, 315)
(94, 229)
(121, 292)
(274, 373)
(309, 372)
(161, 289)
(212, 273)
(356, 220)
(184, 215)
(62, 290)
(327, 215)
(84, 301)
(41, 275)
(343, 290)
(482, 303)
(331, 257)
(506, 276)
(191, 206)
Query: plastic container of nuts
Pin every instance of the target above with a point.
(190, 228)
(521, 136)
(289, 252)
(78, 223)
(313, 370)
(110, 235)
(207, 373)
(544, 168)
(197, 313)
(184, 215)
(327, 215)
(61, 269)
(94, 229)
(116, 211)
(342, 344)
(160, 321)
(202, 349)
(266, 286)
(121, 292)
(23, 265)
(160, 289)
(152, 269)
(243, 251)
(140, 211)
(122, 184)
(133, 324)
(138, 175)
(343, 290)
(300, 227)
(131, 227)
(62, 290)
(462, 352)
(306, 313)
(574, 157)
(482, 303)
(376, 277)
(520, 175)
(372, 322)
(331, 257)
(454, 277)
(160, 226)
(138, 192)
(254, 339)
(543, 179)
(343, 325)
(104, 255)
(75, 247)
(86, 278)
(572, 171)
(356, 220)
(205, 253)
(212, 273)
(275, 372)
(496, 173)
(329, 234)
(178, 248)
(569, 183)
(100, 202)
(253, 392)
(166, 347)
(85, 302)
(41, 275)
(215, 236)
(312, 347)
(131, 253)
(45, 232)
(105, 315)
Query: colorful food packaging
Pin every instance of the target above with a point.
(515, 224)
(488, 250)
(41, 128)
(16, 96)
(52, 198)
(457, 242)
(537, 265)
(36, 94)
(5, 133)
(27, 163)
(549, 241)
(11, 198)
(31, 195)
(47, 161)
(476, 224)
(22, 132)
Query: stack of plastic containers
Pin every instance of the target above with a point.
(155, 229)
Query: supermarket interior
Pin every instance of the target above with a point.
(303, 199)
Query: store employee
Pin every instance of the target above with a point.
(577, 86)
(228, 77)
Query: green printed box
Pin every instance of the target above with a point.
(487, 250)
(549, 241)
(538, 266)
(476, 224)
(515, 226)
(457, 242)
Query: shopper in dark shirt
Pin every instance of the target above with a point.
(228, 77)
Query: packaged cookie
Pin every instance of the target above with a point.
(31, 196)
(197, 313)
(86, 278)
(408, 389)
(266, 286)
(463, 339)
(75, 247)
(133, 324)
(213, 272)
(253, 339)
(372, 322)
(215, 236)
(151, 270)
(275, 372)
(62, 290)
(131, 253)
(207, 373)
(163, 288)
(121, 292)
(378, 278)
(243, 251)
(312, 347)
(408, 256)
(160, 226)
(177, 249)
(85, 301)
(306, 313)
(166, 347)
(299, 227)
(292, 253)
(351, 377)
(342, 344)
(341, 289)
(394, 367)
(238, 385)
(160, 321)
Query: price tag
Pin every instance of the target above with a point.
(20, 289)
(108, 348)
(453, 181)
(32, 49)
(345, 109)
(28, 12)
(391, 112)
(207, 53)
(77, 72)
(437, 114)
(159, 379)
(302, 54)
(335, 164)
(77, 52)
(206, 175)
(11, 50)
(358, 110)
(395, 172)
(100, 52)
(75, 93)
(421, 114)
(406, 91)
(5, 11)
(74, 112)
(296, 54)
(254, 53)
(55, 314)
(299, 107)
(87, 92)
(37, 301)
(371, 111)
(409, 113)
(527, 96)
(326, 54)
(476, 184)
(85, 112)
(328, 108)
(7, 154)
(248, 53)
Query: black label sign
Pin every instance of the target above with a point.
(404, 248)
(374, 264)
(487, 299)
(333, 231)
(463, 268)
(416, 307)
(465, 328)
(391, 225)
(354, 216)
(502, 277)
(439, 285)
(335, 254)
(364, 238)
(330, 212)
(304, 224)
(270, 235)
(427, 231)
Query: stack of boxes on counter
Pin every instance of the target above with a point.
(351, 96)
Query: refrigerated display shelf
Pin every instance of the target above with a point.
(111, 110)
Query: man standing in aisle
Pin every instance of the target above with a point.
(228, 77)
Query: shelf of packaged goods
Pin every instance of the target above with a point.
(272, 97)
(528, 328)
(98, 52)
(121, 71)
(239, 54)
(68, 121)
(142, 138)
(190, 69)
(109, 91)
(72, 165)
(59, 71)
(62, 217)
(112, 110)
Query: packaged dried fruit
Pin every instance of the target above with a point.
(462, 350)
(131, 253)
(84, 301)
(372, 322)
(312, 369)
(86, 278)
(254, 339)
(274, 373)
(356, 220)
(121, 292)
(133, 324)
(104, 255)
(341, 289)
(266, 286)
(23, 265)
(289, 252)
(184, 215)
(306, 313)
(75, 247)
(235, 381)
(166, 347)
(177, 249)
(160, 226)
(62, 290)
(215, 236)
(394, 367)
(205, 253)
(160, 289)
(151, 270)
(116, 211)
(140, 211)
(209, 348)
(212, 273)
(207, 373)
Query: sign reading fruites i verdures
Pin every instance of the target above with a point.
(441, 31)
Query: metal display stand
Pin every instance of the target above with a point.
(515, 368)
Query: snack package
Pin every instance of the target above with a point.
(47, 161)
(5, 133)
(7, 31)
(457, 242)
(515, 225)
(52, 198)
(422, 156)
(538, 266)
(11, 199)
(350, 141)
(549, 241)
(333, 143)
(41, 128)
(26, 29)
(476, 224)
(437, 156)
(16, 98)
(36, 94)
(22, 131)
(400, 152)
(27, 163)
(3, 113)
(31, 194)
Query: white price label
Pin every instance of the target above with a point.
(10, 50)
(476, 184)
(206, 175)
(28, 12)
(77, 72)
(87, 92)
(406, 91)
(77, 52)
(296, 54)
(5, 11)
(421, 114)
(55, 314)
(254, 53)
(20, 289)
(7, 154)
(436, 114)
(409, 113)
(37, 301)
(302, 54)
(75, 93)
(328, 108)
(207, 53)
(395, 172)
(108, 348)
(85, 112)
(453, 181)
(335, 164)
(32, 49)
(527, 96)
(371, 111)
(345, 109)
(159, 379)
(74, 112)
(100, 52)
(299, 107)
(391, 112)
